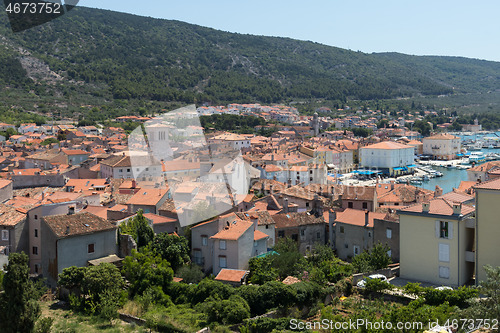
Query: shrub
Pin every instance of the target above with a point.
(457, 297)
(211, 288)
(377, 285)
(44, 325)
(231, 311)
(191, 273)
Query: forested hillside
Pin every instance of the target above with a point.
(114, 56)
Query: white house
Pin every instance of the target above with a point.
(442, 146)
(389, 157)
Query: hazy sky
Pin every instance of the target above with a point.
(421, 27)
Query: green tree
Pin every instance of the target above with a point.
(191, 273)
(138, 227)
(487, 307)
(369, 260)
(146, 269)
(19, 310)
(172, 248)
(261, 270)
(95, 289)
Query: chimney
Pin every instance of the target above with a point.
(438, 191)
(67, 230)
(425, 207)
(134, 183)
(392, 184)
(271, 188)
(285, 205)
(457, 208)
(419, 197)
(71, 210)
(367, 213)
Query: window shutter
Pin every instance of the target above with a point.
(444, 252)
(450, 230)
(437, 229)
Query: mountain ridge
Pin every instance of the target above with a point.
(120, 56)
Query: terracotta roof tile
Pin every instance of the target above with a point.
(77, 224)
(357, 217)
(231, 275)
(234, 231)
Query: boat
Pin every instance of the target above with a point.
(426, 178)
(477, 157)
(415, 182)
(439, 174)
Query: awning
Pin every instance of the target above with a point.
(365, 172)
(398, 169)
(411, 166)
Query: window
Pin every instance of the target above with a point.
(5, 235)
(281, 233)
(222, 244)
(444, 272)
(302, 232)
(356, 250)
(36, 217)
(388, 233)
(318, 235)
(295, 237)
(128, 170)
(346, 245)
(365, 205)
(222, 262)
(307, 204)
(91, 248)
(36, 268)
(198, 260)
(36, 232)
(35, 250)
(120, 170)
(350, 204)
(341, 230)
(369, 234)
(444, 252)
(204, 240)
(444, 229)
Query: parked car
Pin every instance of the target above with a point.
(444, 288)
(362, 283)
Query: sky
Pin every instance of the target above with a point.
(419, 27)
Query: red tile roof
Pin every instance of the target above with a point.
(231, 275)
(493, 184)
(77, 224)
(357, 217)
(234, 231)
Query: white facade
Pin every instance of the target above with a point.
(442, 146)
(386, 154)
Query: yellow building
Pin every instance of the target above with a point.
(487, 227)
(437, 242)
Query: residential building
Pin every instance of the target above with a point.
(74, 240)
(442, 146)
(437, 242)
(353, 232)
(305, 228)
(487, 227)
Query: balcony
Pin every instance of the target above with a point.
(470, 256)
(434, 147)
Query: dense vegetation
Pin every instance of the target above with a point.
(104, 57)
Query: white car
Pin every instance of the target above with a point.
(444, 288)
(362, 283)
